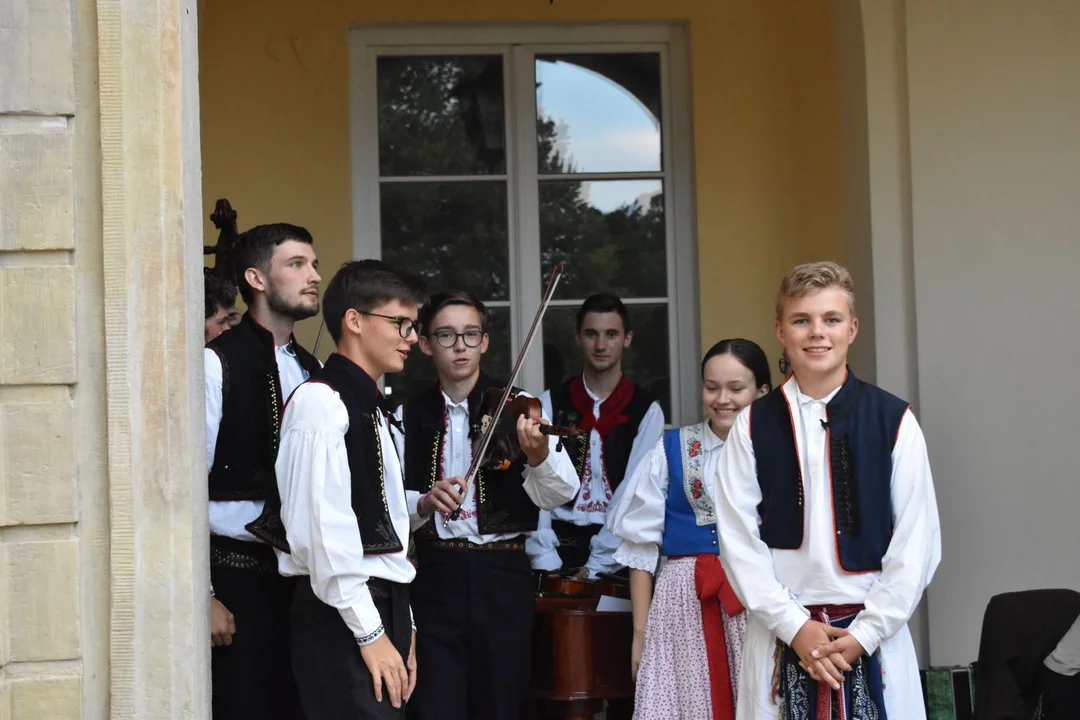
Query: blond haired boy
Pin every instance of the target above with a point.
(828, 524)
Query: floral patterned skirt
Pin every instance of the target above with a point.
(673, 680)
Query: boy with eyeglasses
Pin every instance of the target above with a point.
(474, 594)
(343, 506)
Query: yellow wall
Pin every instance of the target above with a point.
(275, 127)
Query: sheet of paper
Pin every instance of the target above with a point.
(613, 604)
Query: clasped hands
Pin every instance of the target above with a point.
(445, 497)
(826, 652)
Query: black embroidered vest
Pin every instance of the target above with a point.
(362, 400)
(618, 443)
(503, 506)
(251, 407)
(863, 422)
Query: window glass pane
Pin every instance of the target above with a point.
(645, 361)
(609, 235)
(419, 370)
(453, 235)
(598, 112)
(441, 115)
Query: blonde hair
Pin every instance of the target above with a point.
(814, 277)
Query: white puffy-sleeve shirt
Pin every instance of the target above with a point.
(595, 498)
(637, 519)
(776, 585)
(315, 484)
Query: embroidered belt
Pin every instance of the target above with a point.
(828, 614)
(715, 592)
(573, 536)
(383, 589)
(241, 555)
(466, 545)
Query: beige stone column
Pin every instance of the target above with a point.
(150, 158)
(41, 648)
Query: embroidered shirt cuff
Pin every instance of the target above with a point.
(362, 617)
(639, 556)
(371, 636)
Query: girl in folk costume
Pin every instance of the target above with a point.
(687, 646)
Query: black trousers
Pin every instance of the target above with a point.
(334, 682)
(252, 679)
(474, 618)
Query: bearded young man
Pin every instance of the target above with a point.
(250, 372)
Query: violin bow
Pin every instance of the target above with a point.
(318, 338)
(485, 439)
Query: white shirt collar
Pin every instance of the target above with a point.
(450, 404)
(803, 398)
(594, 396)
(712, 440)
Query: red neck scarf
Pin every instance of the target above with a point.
(611, 409)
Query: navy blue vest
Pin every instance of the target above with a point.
(863, 423)
(688, 529)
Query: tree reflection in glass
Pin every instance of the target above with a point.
(444, 117)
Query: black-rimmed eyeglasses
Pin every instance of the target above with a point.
(448, 338)
(406, 325)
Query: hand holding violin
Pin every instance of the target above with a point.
(533, 442)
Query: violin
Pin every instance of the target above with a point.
(560, 584)
(510, 405)
(505, 447)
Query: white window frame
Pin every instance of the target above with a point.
(367, 43)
